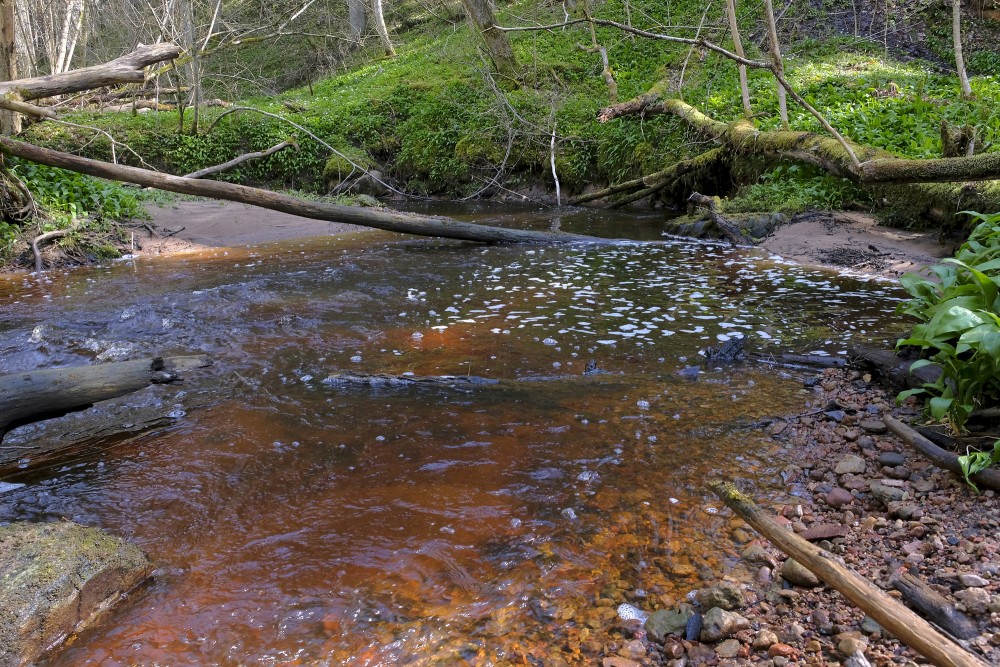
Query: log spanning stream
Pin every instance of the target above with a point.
(299, 522)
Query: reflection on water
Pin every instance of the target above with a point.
(299, 523)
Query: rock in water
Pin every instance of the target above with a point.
(57, 579)
(721, 624)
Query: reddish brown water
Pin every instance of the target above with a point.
(295, 522)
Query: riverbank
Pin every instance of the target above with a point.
(860, 493)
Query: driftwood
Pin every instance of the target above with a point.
(237, 161)
(900, 621)
(989, 478)
(36, 395)
(392, 221)
(935, 607)
(42, 238)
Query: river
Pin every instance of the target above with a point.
(294, 521)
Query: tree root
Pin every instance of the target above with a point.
(42, 238)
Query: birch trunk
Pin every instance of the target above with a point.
(383, 33)
(10, 122)
(779, 67)
(734, 28)
(481, 16)
(356, 19)
(956, 36)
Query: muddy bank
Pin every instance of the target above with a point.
(859, 492)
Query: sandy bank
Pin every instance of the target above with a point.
(186, 226)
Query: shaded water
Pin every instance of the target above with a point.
(295, 522)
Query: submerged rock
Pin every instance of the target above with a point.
(57, 579)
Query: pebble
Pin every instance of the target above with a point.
(891, 459)
(975, 600)
(764, 639)
(876, 426)
(838, 497)
(972, 580)
(721, 624)
(796, 574)
(782, 651)
(729, 648)
(851, 464)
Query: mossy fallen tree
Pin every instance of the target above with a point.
(936, 188)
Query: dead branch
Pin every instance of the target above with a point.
(235, 162)
(935, 607)
(909, 628)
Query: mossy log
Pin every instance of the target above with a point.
(933, 188)
(900, 621)
(36, 395)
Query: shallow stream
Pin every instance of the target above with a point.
(298, 522)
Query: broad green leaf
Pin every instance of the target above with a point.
(939, 407)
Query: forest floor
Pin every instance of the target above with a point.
(840, 240)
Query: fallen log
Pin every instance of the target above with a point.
(897, 619)
(935, 607)
(388, 220)
(375, 380)
(36, 395)
(989, 478)
(893, 369)
(728, 228)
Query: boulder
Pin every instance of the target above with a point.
(725, 595)
(57, 579)
(721, 624)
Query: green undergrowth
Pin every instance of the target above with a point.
(68, 200)
(434, 122)
(958, 314)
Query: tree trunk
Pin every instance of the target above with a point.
(356, 19)
(909, 628)
(779, 67)
(393, 221)
(956, 36)
(734, 28)
(36, 395)
(378, 18)
(10, 122)
(481, 16)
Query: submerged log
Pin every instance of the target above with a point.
(376, 380)
(900, 621)
(392, 221)
(36, 395)
(989, 478)
(935, 607)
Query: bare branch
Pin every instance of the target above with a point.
(246, 157)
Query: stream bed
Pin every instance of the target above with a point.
(294, 521)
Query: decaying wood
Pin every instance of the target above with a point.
(126, 69)
(900, 621)
(392, 221)
(32, 396)
(237, 161)
(989, 478)
(935, 607)
(728, 228)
